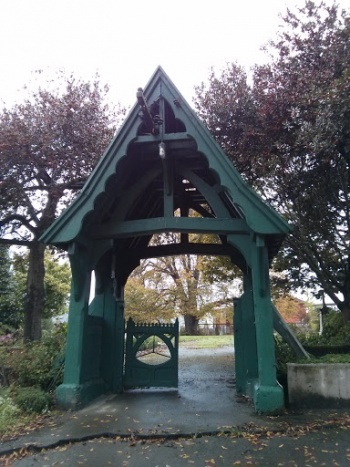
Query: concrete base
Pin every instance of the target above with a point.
(268, 399)
(319, 384)
(76, 396)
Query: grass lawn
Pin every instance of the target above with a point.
(205, 342)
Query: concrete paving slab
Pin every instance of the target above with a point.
(327, 448)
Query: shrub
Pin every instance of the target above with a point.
(335, 332)
(37, 364)
(331, 358)
(320, 350)
(31, 400)
(8, 408)
(149, 343)
(284, 355)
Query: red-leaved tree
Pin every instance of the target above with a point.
(49, 145)
(288, 132)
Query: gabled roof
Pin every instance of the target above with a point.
(130, 181)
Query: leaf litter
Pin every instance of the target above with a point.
(254, 434)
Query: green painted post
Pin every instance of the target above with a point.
(239, 349)
(111, 309)
(120, 339)
(268, 394)
(245, 339)
(76, 390)
(112, 342)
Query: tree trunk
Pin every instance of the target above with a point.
(345, 311)
(35, 299)
(191, 323)
(344, 306)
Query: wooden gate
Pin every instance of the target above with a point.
(151, 355)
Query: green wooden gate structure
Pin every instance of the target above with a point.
(162, 166)
(157, 367)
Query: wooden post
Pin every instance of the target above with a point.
(267, 393)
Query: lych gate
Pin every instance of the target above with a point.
(162, 166)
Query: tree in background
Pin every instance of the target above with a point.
(226, 105)
(227, 278)
(10, 314)
(182, 274)
(147, 302)
(292, 141)
(13, 278)
(48, 147)
(307, 87)
(56, 284)
(293, 310)
(166, 287)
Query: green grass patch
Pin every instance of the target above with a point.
(205, 342)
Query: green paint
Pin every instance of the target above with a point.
(82, 381)
(245, 338)
(111, 308)
(151, 169)
(141, 227)
(139, 374)
(268, 399)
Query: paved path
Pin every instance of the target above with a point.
(201, 424)
(321, 448)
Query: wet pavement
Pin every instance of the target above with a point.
(202, 423)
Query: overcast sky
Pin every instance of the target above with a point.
(126, 40)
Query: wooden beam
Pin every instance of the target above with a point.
(149, 226)
(208, 249)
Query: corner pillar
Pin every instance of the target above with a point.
(246, 365)
(81, 378)
(267, 393)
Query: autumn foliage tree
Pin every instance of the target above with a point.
(183, 277)
(148, 300)
(293, 310)
(49, 145)
(288, 132)
(170, 286)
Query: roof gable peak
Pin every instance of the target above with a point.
(161, 116)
